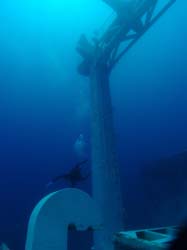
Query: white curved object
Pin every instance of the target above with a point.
(49, 221)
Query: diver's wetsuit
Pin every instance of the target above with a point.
(73, 176)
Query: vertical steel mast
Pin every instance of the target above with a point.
(134, 18)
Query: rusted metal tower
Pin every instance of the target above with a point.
(134, 18)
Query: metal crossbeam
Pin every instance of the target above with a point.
(124, 32)
(150, 21)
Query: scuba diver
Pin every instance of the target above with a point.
(73, 176)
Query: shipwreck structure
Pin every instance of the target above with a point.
(133, 18)
(103, 213)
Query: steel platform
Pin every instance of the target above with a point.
(147, 239)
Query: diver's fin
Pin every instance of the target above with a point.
(56, 179)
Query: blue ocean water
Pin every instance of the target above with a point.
(44, 107)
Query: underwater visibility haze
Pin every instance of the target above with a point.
(45, 111)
